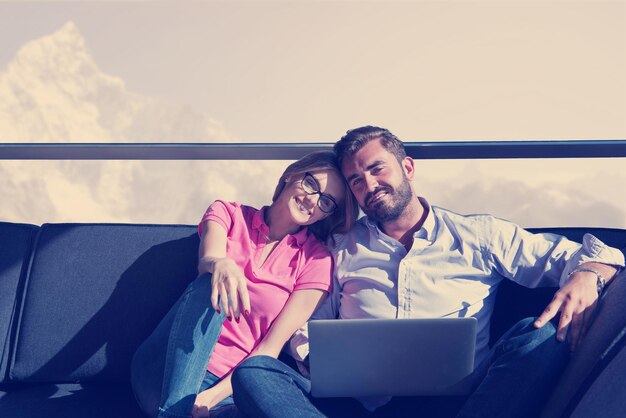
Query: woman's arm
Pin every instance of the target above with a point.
(298, 309)
(227, 278)
(212, 246)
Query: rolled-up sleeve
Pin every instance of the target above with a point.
(592, 250)
(543, 259)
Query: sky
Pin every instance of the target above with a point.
(309, 70)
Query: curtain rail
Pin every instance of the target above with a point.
(292, 151)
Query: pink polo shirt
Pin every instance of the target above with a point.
(298, 262)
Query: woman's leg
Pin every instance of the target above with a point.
(168, 369)
(226, 407)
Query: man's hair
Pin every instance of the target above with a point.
(355, 139)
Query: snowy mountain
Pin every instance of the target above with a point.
(53, 91)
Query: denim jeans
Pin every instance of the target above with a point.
(515, 382)
(524, 366)
(169, 368)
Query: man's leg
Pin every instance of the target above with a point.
(525, 364)
(266, 387)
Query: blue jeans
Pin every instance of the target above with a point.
(515, 382)
(169, 368)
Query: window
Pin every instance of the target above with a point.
(306, 71)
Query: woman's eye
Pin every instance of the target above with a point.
(310, 184)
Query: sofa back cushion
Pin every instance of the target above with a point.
(15, 247)
(94, 292)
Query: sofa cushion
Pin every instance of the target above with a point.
(15, 247)
(71, 400)
(93, 294)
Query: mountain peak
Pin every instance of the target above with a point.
(64, 51)
(54, 91)
(68, 34)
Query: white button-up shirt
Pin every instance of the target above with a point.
(452, 270)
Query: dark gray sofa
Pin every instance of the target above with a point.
(77, 299)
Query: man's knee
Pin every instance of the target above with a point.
(525, 337)
(526, 327)
(254, 367)
(262, 362)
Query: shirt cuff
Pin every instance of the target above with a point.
(299, 344)
(592, 250)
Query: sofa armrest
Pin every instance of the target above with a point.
(608, 326)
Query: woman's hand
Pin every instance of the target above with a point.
(229, 286)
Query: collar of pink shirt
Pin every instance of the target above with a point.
(258, 223)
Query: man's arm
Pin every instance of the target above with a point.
(547, 260)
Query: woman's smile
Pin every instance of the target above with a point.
(301, 207)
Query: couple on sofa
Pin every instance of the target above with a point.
(263, 273)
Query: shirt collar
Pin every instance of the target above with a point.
(425, 232)
(258, 220)
(299, 237)
(258, 223)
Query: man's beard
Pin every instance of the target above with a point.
(391, 210)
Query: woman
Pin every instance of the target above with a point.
(262, 273)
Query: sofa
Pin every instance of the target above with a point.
(76, 300)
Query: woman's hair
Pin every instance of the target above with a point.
(342, 219)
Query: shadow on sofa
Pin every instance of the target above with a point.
(95, 292)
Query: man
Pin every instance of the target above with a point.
(406, 259)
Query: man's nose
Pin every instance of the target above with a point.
(371, 183)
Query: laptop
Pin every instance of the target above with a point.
(395, 357)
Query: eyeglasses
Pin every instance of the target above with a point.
(325, 202)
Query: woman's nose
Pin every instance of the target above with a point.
(310, 200)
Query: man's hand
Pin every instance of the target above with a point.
(576, 301)
(228, 284)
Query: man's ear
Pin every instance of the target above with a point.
(408, 165)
